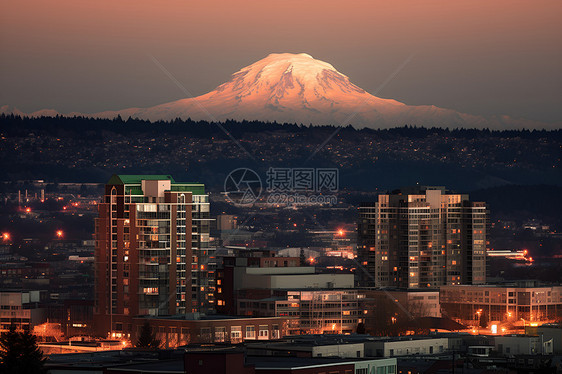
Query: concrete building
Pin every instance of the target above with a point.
(517, 303)
(405, 346)
(548, 331)
(227, 222)
(322, 311)
(316, 346)
(269, 273)
(422, 237)
(511, 345)
(153, 253)
(23, 309)
(224, 362)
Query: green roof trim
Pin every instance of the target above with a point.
(194, 188)
(133, 183)
(133, 191)
(136, 179)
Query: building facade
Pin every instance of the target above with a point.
(418, 303)
(22, 309)
(511, 303)
(321, 311)
(422, 237)
(174, 331)
(153, 254)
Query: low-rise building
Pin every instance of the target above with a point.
(517, 302)
(418, 302)
(174, 331)
(23, 309)
(548, 331)
(511, 345)
(320, 311)
(405, 346)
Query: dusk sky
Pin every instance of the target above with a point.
(478, 57)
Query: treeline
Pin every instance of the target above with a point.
(14, 125)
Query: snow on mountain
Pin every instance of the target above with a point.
(297, 88)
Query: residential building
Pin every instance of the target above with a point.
(153, 253)
(422, 237)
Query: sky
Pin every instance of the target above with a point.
(474, 56)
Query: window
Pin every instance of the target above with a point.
(220, 334)
(263, 332)
(250, 332)
(236, 332)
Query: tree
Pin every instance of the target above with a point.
(361, 328)
(483, 322)
(147, 339)
(19, 353)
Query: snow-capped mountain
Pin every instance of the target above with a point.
(297, 88)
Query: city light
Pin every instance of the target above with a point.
(6, 236)
(28, 210)
(341, 232)
(59, 233)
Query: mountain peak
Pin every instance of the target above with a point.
(282, 80)
(297, 88)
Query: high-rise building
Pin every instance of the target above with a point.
(422, 237)
(153, 254)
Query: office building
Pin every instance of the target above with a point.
(22, 309)
(153, 253)
(521, 303)
(422, 237)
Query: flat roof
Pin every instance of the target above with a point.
(273, 362)
(214, 317)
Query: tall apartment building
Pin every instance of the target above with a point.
(153, 255)
(422, 237)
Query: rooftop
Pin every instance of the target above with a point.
(136, 179)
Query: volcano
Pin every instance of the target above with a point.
(296, 88)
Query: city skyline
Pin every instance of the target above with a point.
(258, 187)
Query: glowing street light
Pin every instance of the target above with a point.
(6, 236)
(59, 234)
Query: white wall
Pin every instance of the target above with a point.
(407, 347)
